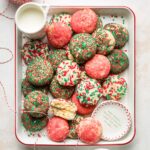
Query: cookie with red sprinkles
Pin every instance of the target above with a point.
(59, 91)
(82, 110)
(33, 124)
(39, 72)
(36, 103)
(58, 34)
(68, 73)
(83, 47)
(105, 41)
(119, 32)
(56, 56)
(98, 67)
(114, 87)
(89, 130)
(33, 49)
(119, 61)
(57, 129)
(84, 21)
(28, 87)
(64, 18)
(89, 92)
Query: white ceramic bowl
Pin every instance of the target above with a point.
(31, 20)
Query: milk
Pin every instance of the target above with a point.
(31, 20)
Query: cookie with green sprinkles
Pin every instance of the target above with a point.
(83, 47)
(89, 92)
(59, 91)
(33, 49)
(56, 57)
(36, 103)
(114, 87)
(73, 125)
(119, 61)
(33, 124)
(39, 72)
(64, 18)
(28, 87)
(68, 73)
(105, 41)
(119, 32)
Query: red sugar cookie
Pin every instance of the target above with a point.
(98, 67)
(89, 130)
(57, 129)
(58, 34)
(84, 20)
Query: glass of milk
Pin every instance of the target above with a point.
(31, 20)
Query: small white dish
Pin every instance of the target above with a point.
(115, 119)
(31, 19)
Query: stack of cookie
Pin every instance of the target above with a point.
(80, 64)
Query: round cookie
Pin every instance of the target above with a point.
(27, 88)
(63, 108)
(57, 129)
(33, 124)
(59, 91)
(81, 109)
(33, 49)
(73, 124)
(89, 130)
(114, 87)
(56, 57)
(105, 41)
(99, 23)
(119, 61)
(58, 34)
(119, 32)
(36, 103)
(83, 47)
(68, 73)
(89, 92)
(84, 21)
(39, 72)
(64, 18)
(98, 67)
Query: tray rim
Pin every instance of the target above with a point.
(15, 76)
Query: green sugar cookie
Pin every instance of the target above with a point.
(59, 91)
(83, 47)
(119, 32)
(36, 103)
(33, 124)
(56, 57)
(119, 61)
(39, 72)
